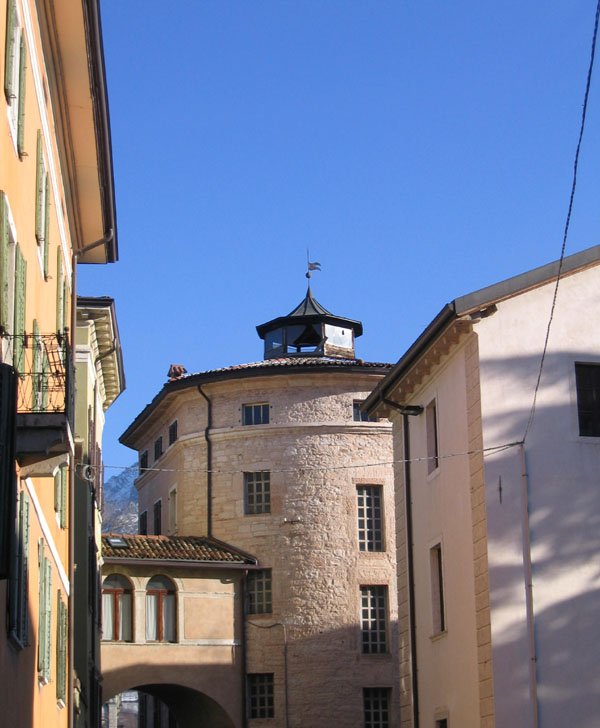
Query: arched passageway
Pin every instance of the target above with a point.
(164, 706)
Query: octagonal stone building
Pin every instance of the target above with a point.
(275, 459)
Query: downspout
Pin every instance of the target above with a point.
(529, 592)
(208, 463)
(71, 600)
(410, 570)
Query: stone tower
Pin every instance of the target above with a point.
(276, 459)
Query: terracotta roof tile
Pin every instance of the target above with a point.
(171, 548)
(299, 361)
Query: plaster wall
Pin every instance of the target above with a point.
(563, 501)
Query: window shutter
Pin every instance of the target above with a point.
(46, 223)
(42, 608)
(48, 645)
(4, 243)
(23, 624)
(20, 300)
(11, 50)
(21, 117)
(60, 293)
(39, 189)
(57, 490)
(8, 412)
(63, 496)
(61, 649)
(36, 380)
(45, 380)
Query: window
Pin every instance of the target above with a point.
(255, 414)
(257, 492)
(260, 695)
(42, 207)
(432, 436)
(587, 378)
(117, 603)
(376, 707)
(158, 517)
(39, 390)
(441, 723)
(143, 523)
(173, 511)
(259, 592)
(18, 610)
(158, 451)
(160, 610)
(437, 589)
(143, 462)
(359, 416)
(172, 432)
(61, 651)
(61, 293)
(45, 616)
(14, 75)
(373, 619)
(370, 524)
(60, 495)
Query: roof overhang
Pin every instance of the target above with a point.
(72, 37)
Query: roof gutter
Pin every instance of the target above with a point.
(179, 564)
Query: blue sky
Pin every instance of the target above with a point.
(421, 149)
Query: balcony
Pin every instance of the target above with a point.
(45, 398)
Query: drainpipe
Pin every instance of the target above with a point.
(71, 600)
(208, 463)
(529, 592)
(410, 570)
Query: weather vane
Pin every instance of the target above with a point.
(311, 266)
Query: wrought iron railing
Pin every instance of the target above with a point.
(45, 368)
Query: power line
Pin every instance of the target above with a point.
(485, 451)
(567, 223)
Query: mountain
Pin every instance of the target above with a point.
(120, 512)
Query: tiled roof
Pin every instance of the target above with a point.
(171, 548)
(298, 361)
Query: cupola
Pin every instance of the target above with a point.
(309, 330)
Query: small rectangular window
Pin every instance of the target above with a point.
(173, 511)
(437, 589)
(257, 492)
(143, 523)
(259, 593)
(158, 517)
(143, 462)
(261, 702)
(172, 432)
(441, 723)
(376, 707)
(588, 399)
(373, 619)
(158, 448)
(370, 520)
(432, 436)
(360, 416)
(255, 414)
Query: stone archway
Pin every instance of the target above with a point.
(190, 708)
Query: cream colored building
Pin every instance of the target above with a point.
(276, 459)
(498, 508)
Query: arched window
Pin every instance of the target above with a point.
(116, 609)
(160, 610)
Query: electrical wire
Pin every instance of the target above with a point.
(309, 468)
(567, 223)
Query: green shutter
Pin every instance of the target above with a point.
(10, 50)
(42, 608)
(21, 117)
(4, 267)
(63, 496)
(39, 189)
(20, 309)
(46, 223)
(60, 292)
(61, 649)
(36, 371)
(48, 646)
(23, 619)
(65, 310)
(57, 490)
(45, 380)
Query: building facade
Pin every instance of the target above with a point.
(497, 504)
(276, 459)
(56, 209)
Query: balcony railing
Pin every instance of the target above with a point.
(45, 399)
